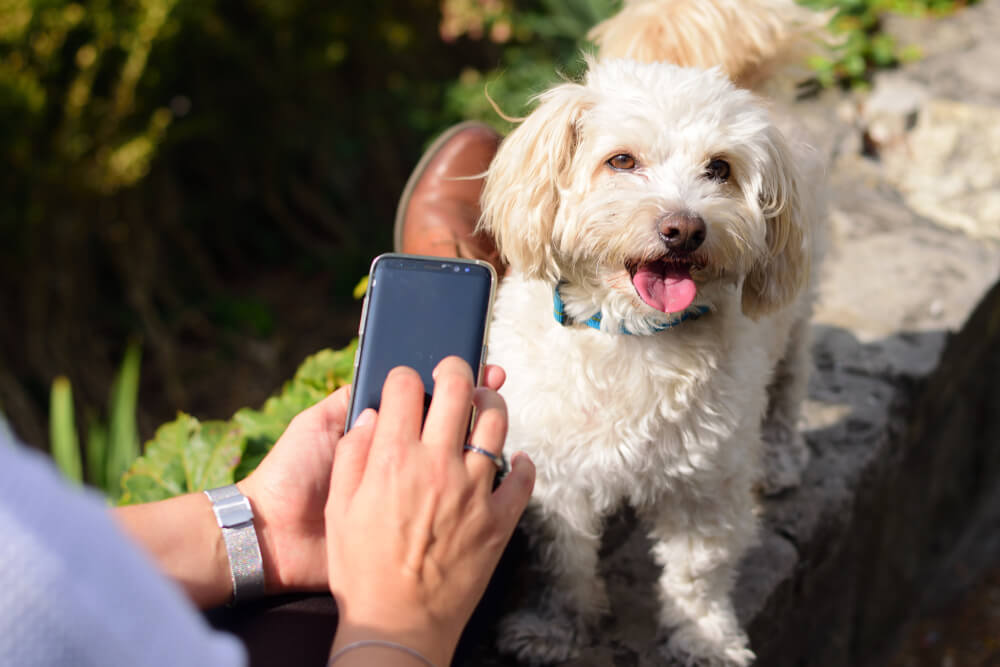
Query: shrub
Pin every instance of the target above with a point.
(190, 455)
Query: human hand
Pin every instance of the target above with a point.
(289, 490)
(414, 528)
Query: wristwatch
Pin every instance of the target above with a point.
(235, 517)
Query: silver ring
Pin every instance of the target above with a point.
(499, 461)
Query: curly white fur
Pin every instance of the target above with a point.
(667, 422)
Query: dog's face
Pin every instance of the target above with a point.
(653, 187)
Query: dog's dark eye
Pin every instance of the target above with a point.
(622, 162)
(718, 171)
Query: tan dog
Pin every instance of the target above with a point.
(674, 225)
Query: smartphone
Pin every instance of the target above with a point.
(417, 311)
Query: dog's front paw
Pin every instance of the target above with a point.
(689, 646)
(541, 638)
(786, 456)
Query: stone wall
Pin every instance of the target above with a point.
(904, 494)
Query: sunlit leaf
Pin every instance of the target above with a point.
(123, 435)
(159, 473)
(211, 455)
(328, 369)
(360, 288)
(186, 455)
(62, 431)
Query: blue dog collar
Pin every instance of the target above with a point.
(594, 321)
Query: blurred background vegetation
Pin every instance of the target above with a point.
(211, 178)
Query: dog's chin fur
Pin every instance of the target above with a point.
(667, 422)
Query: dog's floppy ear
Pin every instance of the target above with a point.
(784, 199)
(524, 181)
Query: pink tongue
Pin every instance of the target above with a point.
(667, 288)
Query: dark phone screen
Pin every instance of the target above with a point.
(419, 312)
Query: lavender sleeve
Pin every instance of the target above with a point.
(75, 591)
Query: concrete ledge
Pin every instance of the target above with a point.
(901, 462)
(871, 530)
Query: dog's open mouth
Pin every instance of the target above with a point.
(665, 284)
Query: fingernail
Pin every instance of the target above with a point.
(517, 456)
(365, 418)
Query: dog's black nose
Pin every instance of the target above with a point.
(681, 232)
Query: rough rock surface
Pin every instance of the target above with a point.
(903, 412)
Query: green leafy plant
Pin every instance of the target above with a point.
(864, 47)
(190, 455)
(186, 454)
(163, 160)
(111, 447)
(543, 41)
(62, 429)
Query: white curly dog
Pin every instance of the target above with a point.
(661, 225)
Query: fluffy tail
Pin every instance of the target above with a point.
(751, 40)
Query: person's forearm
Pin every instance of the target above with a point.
(182, 536)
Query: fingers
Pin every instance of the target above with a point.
(351, 458)
(336, 406)
(489, 433)
(322, 426)
(513, 494)
(327, 416)
(445, 430)
(334, 409)
(451, 407)
(494, 376)
(402, 405)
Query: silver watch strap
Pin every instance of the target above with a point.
(235, 517)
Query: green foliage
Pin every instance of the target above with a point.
(164, 160)
(545, 40)
(62, 429)
(360, 288)
(863, 46)
(110, 448)
(183, 456)
(123, 435)
(546, 43)
(188, 455)
(69, 77)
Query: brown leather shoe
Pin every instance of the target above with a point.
(439, 209)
